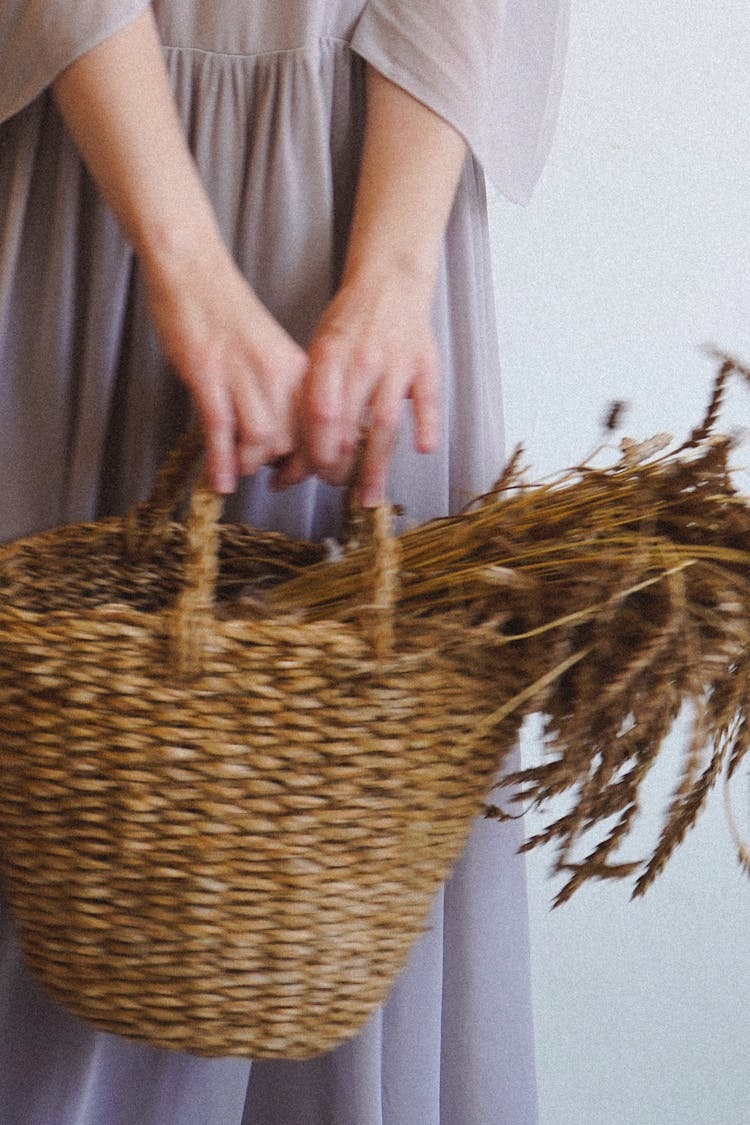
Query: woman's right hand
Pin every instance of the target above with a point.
(241, 367)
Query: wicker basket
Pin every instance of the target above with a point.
(221, 831)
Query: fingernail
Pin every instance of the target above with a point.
(225, 483)
(369, 499)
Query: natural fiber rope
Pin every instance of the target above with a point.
(377, 613)
(193, 615)
(146, 524)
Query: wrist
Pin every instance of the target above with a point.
(171, 252)
(397, 267)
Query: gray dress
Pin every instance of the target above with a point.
(271, 96)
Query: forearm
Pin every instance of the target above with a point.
(410, 169)
(374, 346)
(118, 106)
(239, 364)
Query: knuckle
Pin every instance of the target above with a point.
(323, 411)
(384, 418)
(426, 395)
(256, 435)
(198, 357)
(367, 357)
(325, 350)
(349, 444)
(279, 450)
(323, 462)
(217, 417)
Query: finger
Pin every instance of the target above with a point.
(339, 384)
(264, 428)
(341, 472)
(373, 472)
(254, 443)
(321, 410)
(250, 458)
(385, 415)
(425, 400)
(217, 415)
(292, 470)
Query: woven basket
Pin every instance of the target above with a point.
(221, 831)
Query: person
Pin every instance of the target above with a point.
(275, 215)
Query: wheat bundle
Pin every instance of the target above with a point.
(606, 600)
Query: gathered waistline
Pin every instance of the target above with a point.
(303, 48)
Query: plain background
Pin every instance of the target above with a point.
(634, 253)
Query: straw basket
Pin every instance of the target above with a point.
(221, 831)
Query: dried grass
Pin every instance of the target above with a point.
(605, 599)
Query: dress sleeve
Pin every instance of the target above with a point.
(492, 68)
(39, 38)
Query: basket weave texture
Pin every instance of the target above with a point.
(221, 831)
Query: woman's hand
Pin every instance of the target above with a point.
(372, 350)
(374, 345)
(243, 370)
(240, 365)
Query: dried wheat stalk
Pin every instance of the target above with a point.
(605, 599)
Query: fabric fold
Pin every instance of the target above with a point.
(492, 68)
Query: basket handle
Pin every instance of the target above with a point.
(377, 615)
(146, 524)
(193, 613)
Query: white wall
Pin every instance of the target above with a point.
(634, 253)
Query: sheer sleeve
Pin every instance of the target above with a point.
(492, 68)
(39, 38)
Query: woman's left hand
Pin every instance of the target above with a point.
(374, 346)
(373, 349)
